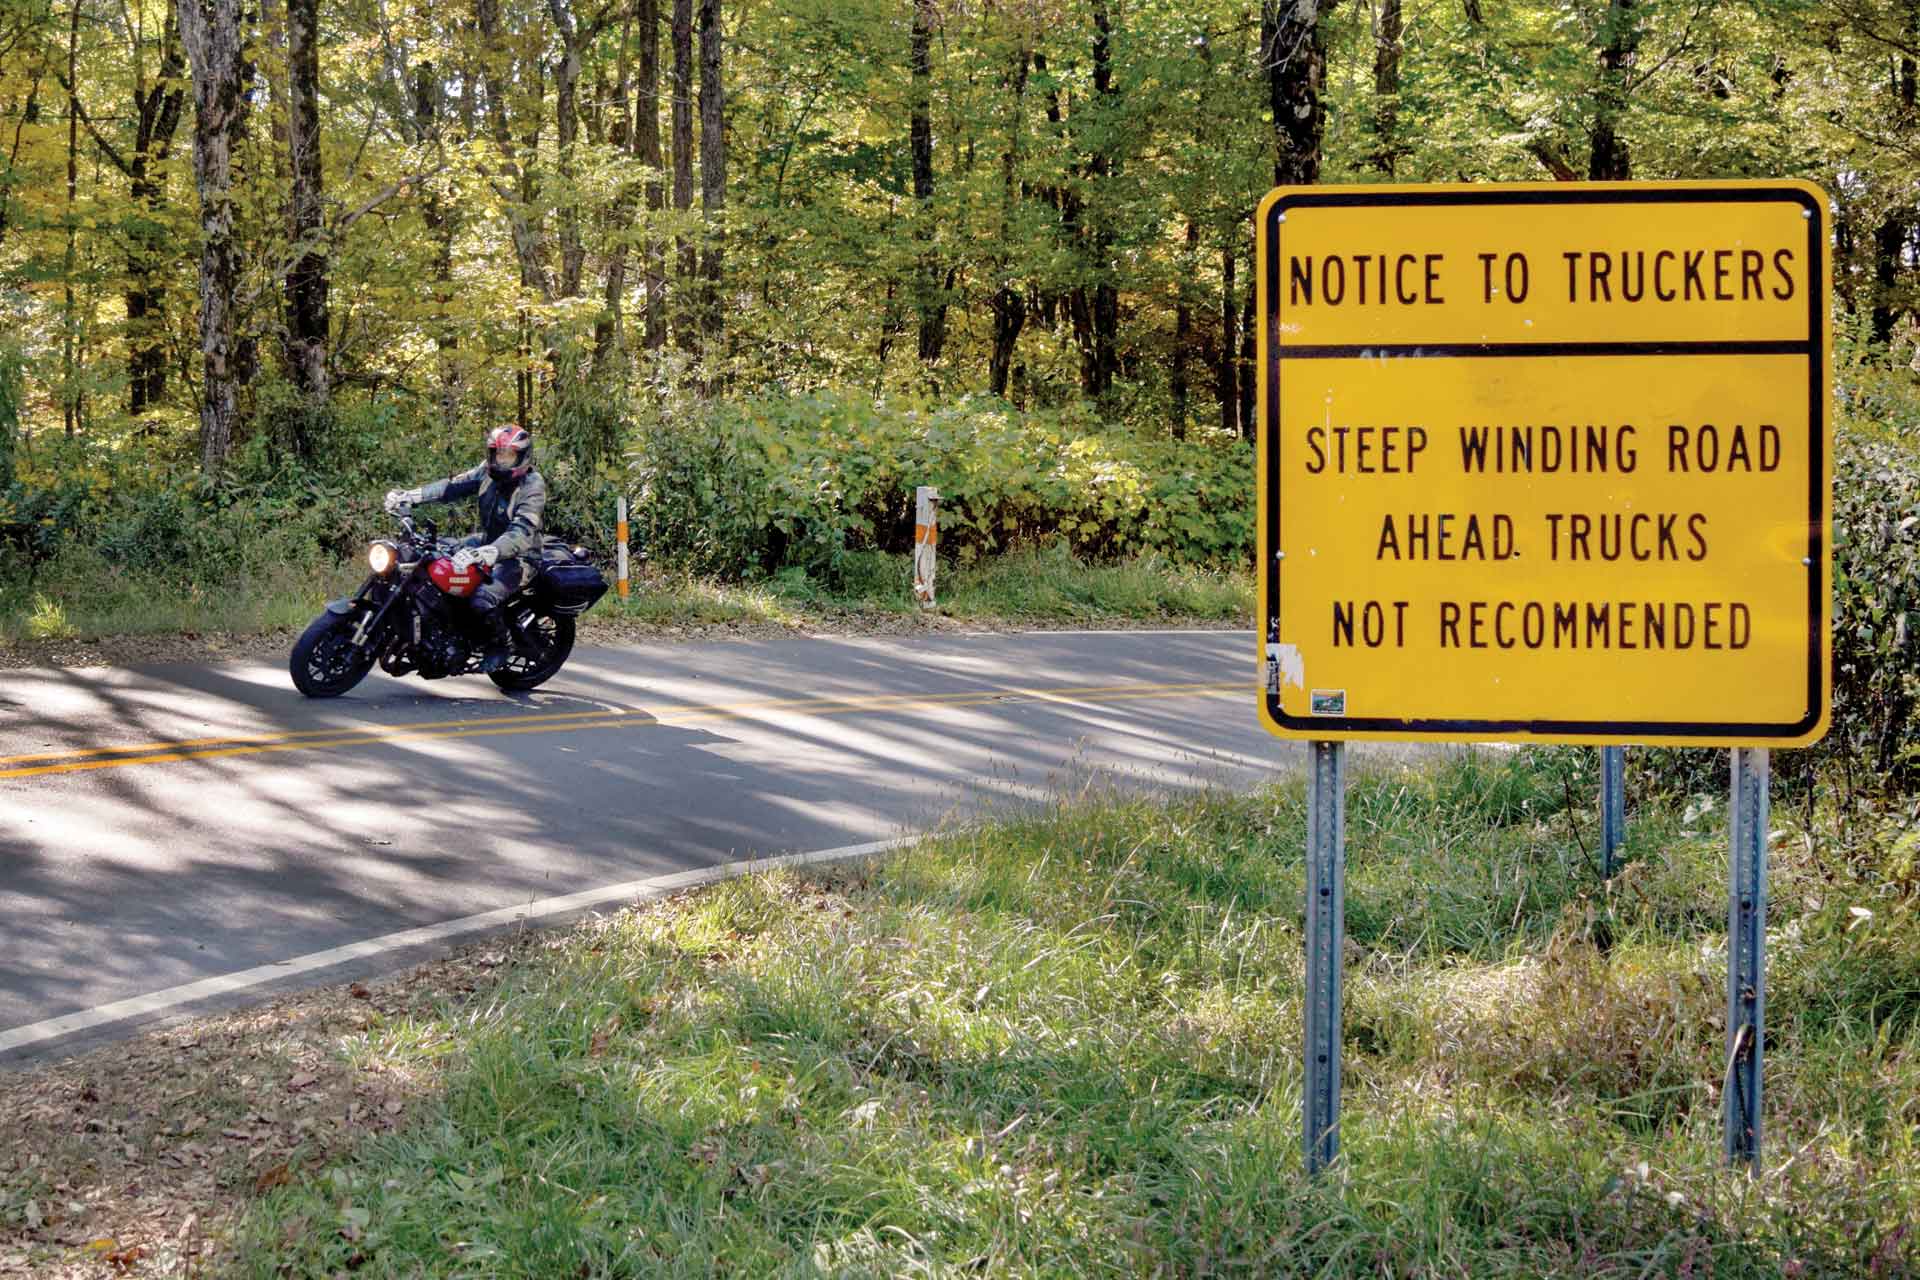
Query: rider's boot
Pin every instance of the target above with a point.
(498, 642)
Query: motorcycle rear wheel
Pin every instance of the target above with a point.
(527, 671)
(324, 662)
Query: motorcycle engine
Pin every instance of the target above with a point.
(442, 651)
(437, 649)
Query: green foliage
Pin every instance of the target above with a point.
(805, 480)
(1876, 606)
(1876, 615)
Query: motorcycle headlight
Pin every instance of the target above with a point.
(381, 557)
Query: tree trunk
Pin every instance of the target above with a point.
(156, 119)
(646, 147)
(307, 321)
(1893, 238)
(1293, 54)
(713, 170)
(931, 306)
(1009, 305)
(1105, 310)
(1386, 87)
(517, 160)
(1183, 332)
(611, 322)
(566, 116)
(1249, 354)
(210, 30)
(438, 216)
(683, 164)
(1228, 369)
(70, 379)
(1611, 161)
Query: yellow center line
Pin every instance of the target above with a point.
(606, 718)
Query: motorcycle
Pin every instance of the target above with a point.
(410, 617)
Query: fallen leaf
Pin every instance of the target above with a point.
(359, 992)
(278, 1176)
(395, 1106)
(301, 1080)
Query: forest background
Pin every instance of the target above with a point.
(766, 265)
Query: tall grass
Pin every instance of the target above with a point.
(1070, 1046)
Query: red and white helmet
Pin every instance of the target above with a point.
(509, 452)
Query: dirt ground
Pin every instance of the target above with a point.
(136, 1158)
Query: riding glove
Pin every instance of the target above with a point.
(400, 499)
(488, 555)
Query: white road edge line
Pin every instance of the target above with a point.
(226, 984)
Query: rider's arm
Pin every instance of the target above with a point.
(453, 488)
(523, 535)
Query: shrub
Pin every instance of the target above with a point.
(806, 480)
(1876, 632)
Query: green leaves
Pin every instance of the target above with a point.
(807, 479)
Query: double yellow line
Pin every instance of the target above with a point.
(84, 759)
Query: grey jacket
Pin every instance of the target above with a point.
(511, 519)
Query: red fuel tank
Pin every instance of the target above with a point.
(455, 582)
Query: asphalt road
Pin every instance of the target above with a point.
(161, 827)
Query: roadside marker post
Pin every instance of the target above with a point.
(926, 538)
(1613, 808)
(620, 534)
(1545, 462)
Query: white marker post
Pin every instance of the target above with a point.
(620, 532)
(926, 536)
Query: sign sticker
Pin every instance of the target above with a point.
(1547, 461)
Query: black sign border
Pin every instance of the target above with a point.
(1814, 347)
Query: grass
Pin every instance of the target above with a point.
(1069, 1045)
(81, 595)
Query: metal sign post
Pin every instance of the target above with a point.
(1613, 808)
(1326, 938)
(1746, 954)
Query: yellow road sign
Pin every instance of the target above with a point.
(1546, 461)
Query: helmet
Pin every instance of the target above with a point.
(509, 453)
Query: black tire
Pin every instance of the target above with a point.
(324, 663)
(528, 671)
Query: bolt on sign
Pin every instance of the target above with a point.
(1546, 461)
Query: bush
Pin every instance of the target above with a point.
(805, 480)
(1876, 633)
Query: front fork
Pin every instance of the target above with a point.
(370, 619)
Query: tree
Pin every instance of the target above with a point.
(1610, 160)
(682, 135)
(210, 31)
(307, 283)
(929, 293)
(713, 169)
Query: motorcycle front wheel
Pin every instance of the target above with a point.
(325, 663)
(551, 638)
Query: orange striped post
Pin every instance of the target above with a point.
(926, 535)
(620, 532)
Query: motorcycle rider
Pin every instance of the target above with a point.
(513, 501)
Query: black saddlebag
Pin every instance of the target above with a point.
(569, 586)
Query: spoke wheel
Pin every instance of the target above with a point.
(541, 643)
(324, 662)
